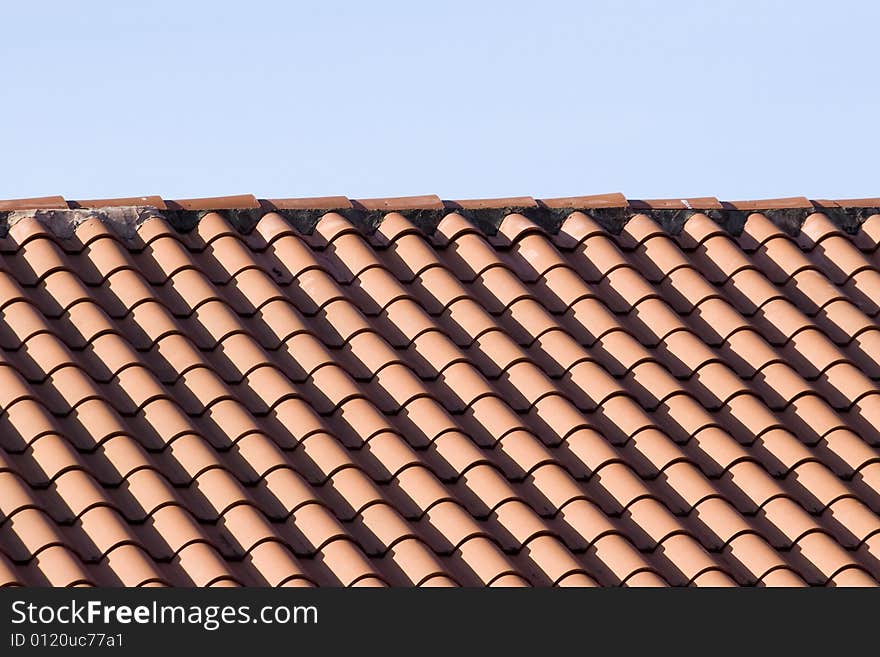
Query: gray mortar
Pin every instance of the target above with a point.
(125, 220)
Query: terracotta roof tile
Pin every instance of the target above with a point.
(490, 203)
(591, 403)
(427, 202)
(851, 203)
(614, 200)
(314, 203)
(42, 203)
(702, 203)
(146, 201)
(243, 201)
(772, 203)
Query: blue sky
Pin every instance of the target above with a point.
(462, 99)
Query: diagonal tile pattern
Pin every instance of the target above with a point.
(668, 402)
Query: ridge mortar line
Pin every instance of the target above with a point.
(126, 220)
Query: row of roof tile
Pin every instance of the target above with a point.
(429, 202)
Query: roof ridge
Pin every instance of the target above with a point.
(611, 211)
(429, 201)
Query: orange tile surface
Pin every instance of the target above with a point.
(401, 404)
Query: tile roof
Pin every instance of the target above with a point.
(584, 391)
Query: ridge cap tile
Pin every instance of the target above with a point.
(491, 203)
(40, 203)
(310, 203)
(850, 203)
(697, 203)
(400, 203)
(613, 200)
(239, 202)
(791, 202)
(140, 201)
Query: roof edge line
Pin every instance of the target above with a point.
(126, 219)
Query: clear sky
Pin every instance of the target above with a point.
(462, 99)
